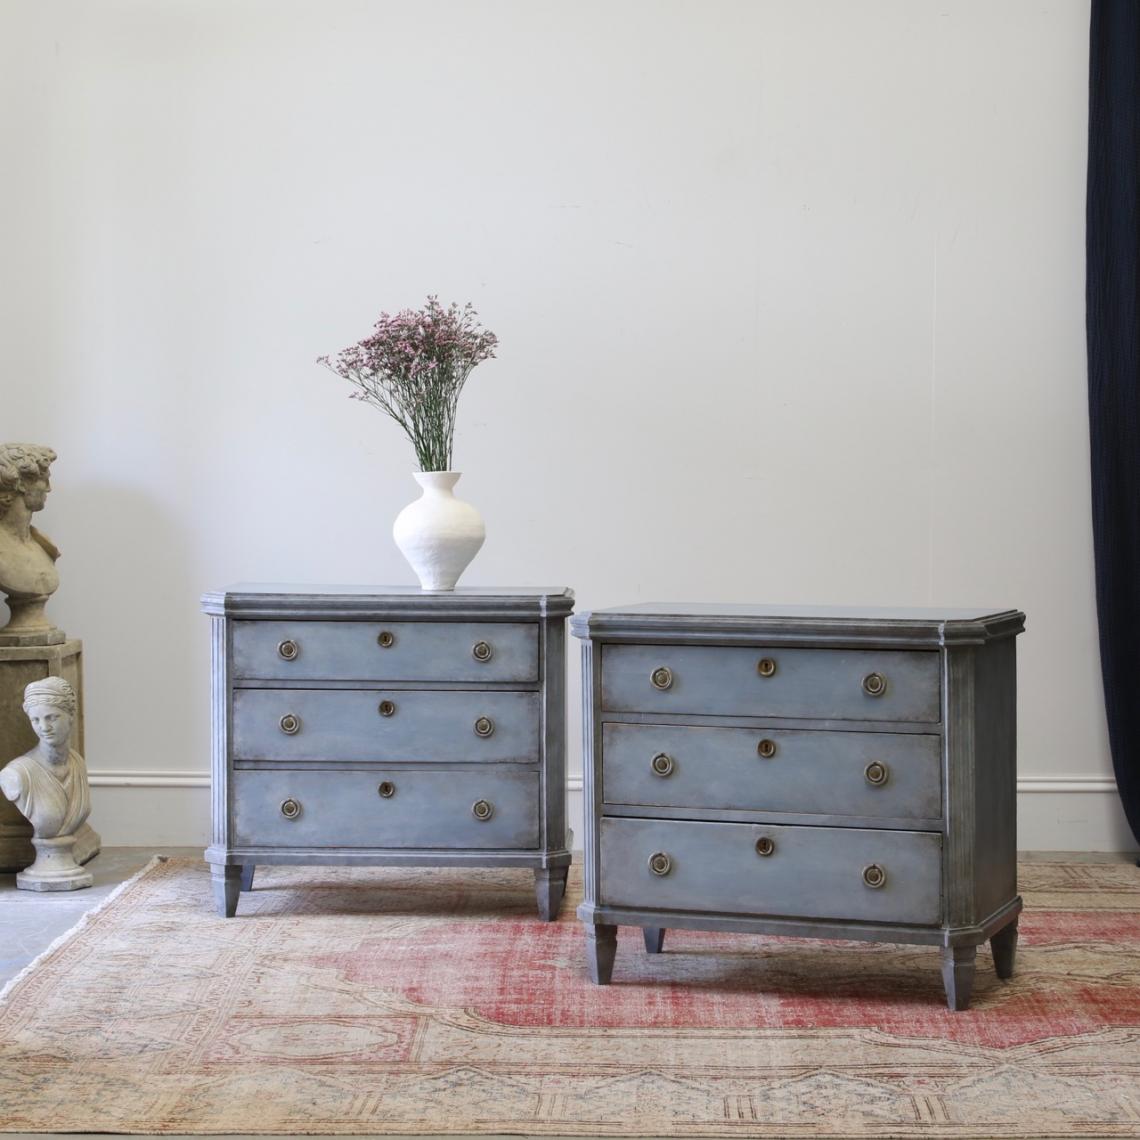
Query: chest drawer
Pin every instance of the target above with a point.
(821, 684)
(876, 774)
(387, 651)
(458, 726)
(811, 872)
(389, 808)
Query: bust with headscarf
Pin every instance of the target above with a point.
(49, 784)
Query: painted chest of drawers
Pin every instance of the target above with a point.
(388, 726)
(818, 773)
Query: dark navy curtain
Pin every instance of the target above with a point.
(1113, 327)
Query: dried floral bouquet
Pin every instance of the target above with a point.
(413, 367)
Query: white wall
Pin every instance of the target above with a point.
(790, 300)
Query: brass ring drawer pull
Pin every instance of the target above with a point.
(662, 678)
(290, 724)
(481, 651)
(874, 876)
(662, 764)
(660, 863)
(484, 726)
(874, 684)
(766, 666)
(386, 789)
(482, 810)
(766, 748)
(290, 808)
(765, 846)
(386, 708)
(877, 773)
(288, 649)
(386, 639)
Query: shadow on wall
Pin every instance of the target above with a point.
(128, 589)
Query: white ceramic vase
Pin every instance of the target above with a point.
(438, 534)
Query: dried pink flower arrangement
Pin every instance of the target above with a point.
(413, 367)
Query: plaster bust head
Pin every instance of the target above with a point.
(24, 471)
(27, 558)
(50, 706)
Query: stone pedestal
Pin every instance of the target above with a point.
(20, 665)
(55, 868)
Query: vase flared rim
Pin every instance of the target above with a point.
(437, 478)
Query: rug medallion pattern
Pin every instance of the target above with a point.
(432, 1001)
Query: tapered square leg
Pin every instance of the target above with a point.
(601, 947)
(247, 870)
(227, 885)
(958, 964)
(654, 938)
(549, 888)
(1003, 945)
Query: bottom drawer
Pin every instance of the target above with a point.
(808, 872)
(386, 808)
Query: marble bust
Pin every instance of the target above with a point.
(27, 558)
(49, 787)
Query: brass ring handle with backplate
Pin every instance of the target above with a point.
(290, 724)
(484, 726)
(877, 773)
(874, 876)
(482, 810)
(481, 651)
(290, 808)
(874, 684)
(288, 649)
(660, 863)
(662, 764)
(662, 678)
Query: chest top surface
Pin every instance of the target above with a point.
(269, 600)
(902, 625)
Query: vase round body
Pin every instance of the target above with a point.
(438, 534)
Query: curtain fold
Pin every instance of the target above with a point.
(1113, 331)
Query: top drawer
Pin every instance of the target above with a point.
(823, 684)
(385, 651)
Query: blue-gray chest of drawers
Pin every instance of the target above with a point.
(818, 773)
(388, 726)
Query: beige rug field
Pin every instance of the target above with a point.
(432, 1001)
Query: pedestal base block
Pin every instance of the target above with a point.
(49, 636)
(55, 868)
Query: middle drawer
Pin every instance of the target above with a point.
(876, 774)
(456, 726)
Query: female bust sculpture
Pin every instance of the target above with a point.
(49, 786)
(27, 558)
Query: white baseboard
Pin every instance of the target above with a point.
(1071, 813)
(143, 809)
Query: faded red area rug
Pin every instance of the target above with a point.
(432, 1001)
